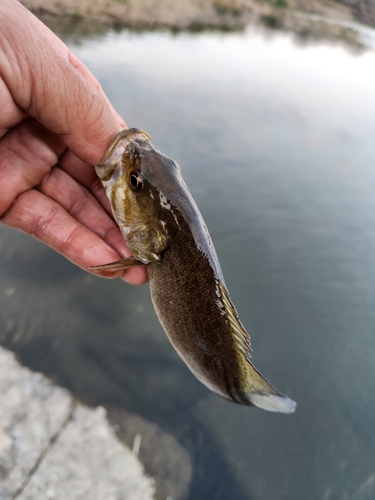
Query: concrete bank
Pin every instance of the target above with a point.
(52, 447)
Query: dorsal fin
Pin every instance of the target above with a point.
(253, 388)
(240, 335)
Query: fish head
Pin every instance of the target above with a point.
(133, 196)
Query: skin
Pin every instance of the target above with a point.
(55, 123)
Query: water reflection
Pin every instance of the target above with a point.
(276, 143)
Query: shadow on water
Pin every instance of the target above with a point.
(79, 344)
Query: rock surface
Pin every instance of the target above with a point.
(54, 448)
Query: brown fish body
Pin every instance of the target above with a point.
(186, 292)
(165, 231)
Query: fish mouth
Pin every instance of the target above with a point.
(121, 141)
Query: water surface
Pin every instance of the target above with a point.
(276, 142)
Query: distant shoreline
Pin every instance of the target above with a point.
(315, 20)
(186, 14)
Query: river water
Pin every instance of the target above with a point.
(277, 143)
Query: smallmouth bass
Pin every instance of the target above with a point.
(165, 231)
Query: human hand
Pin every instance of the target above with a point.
(55, 123)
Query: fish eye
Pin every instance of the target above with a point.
(136, 181)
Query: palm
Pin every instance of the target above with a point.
(47, 190)
(57, 198)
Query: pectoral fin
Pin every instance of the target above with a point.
(109, 270)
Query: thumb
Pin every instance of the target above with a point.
(48, 83)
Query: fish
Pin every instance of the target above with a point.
(165, 232)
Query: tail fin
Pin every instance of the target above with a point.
(271, 402)
(250, 387)
(257, 391)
